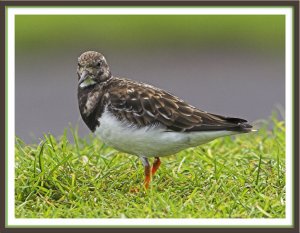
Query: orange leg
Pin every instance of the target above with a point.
(148, 171)
(147, 167)
(155, 166)
(147, 176)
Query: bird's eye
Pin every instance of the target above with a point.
(79, 64)
(98, 64)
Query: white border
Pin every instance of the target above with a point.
(11, 220)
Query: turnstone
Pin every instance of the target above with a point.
(143, 120)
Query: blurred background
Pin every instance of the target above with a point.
(228, 65)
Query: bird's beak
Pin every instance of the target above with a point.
(83, 76)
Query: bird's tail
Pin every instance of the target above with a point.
(239, 125)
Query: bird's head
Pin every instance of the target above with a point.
(92, 69)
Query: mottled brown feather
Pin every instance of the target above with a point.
(143, 105)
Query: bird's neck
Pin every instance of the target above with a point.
(90, 104)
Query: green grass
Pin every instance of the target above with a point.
(231, 177)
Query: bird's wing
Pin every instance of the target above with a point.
(144, 104)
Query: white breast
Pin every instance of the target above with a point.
(149, 141)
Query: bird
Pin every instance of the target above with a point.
(143, 120)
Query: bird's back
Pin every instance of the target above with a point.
(142, 104)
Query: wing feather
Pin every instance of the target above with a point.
(143, 104)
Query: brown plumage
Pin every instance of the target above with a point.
(143, 104)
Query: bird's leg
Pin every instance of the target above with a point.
(147, 172)
(155, 166)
